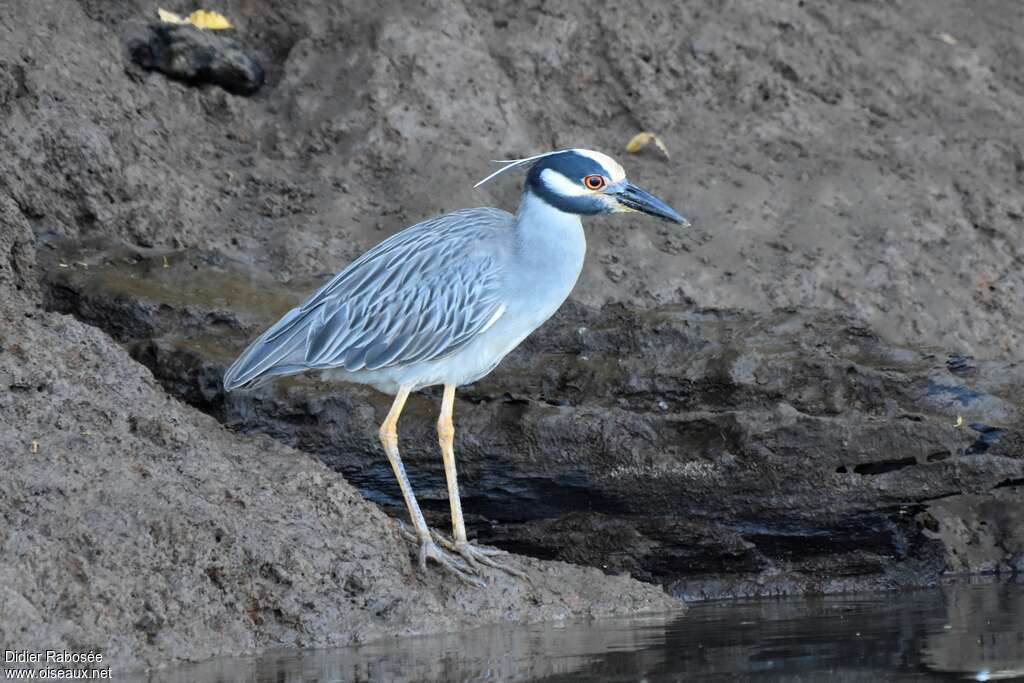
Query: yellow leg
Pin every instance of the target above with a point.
(473, 554)
(428, 549)
(389, 439)
(446, 437)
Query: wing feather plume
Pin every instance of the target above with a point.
(420, 295)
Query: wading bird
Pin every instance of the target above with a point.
(442, 302)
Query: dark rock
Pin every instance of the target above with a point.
(981, 531)
(719, 453)
(197, 57)
(988, 436)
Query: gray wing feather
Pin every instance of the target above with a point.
(420, 295)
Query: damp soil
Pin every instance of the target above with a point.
(817, 388)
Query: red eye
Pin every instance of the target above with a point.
(594, 182)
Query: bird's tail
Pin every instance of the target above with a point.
(278, 351)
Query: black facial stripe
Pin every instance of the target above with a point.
(570, 164)
(586, 205)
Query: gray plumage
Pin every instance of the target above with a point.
(442, 302)
(418, 296)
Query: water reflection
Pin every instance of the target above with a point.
(967, 630)
(985, 634)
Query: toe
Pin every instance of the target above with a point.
(486, 560)
(463, 559)
(482, 555)
(423, 555)
(454, 565)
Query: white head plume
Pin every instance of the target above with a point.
(516, 163)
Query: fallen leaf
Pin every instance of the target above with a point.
(641, 140)
(206, 19)
(201, 18)
(959, 421)
(947, 39)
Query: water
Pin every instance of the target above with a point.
(963, 631)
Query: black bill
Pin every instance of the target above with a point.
(632, 198)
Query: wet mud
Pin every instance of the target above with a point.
(816, 388)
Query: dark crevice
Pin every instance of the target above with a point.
(883, 466)
(929, 499)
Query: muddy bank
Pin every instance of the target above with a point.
(138, 527)
(134, 525)
(716, 452)
(859, 157)
(855, 159)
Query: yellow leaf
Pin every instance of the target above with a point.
(641, 140)
(959, 421)
(206, 19)
(201, 18)
(169, 17)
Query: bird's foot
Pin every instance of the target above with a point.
(430, 550)
(476, 555)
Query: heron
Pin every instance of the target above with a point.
(442, 303)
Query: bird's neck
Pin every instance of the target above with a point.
(551, 249)
(540, 225)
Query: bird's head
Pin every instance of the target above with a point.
(585, 182)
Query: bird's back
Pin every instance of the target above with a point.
(420, 295)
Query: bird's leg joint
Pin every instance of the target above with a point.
(445, 431)
(388, 434)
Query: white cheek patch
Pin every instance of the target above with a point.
(560, 185)
(613, 170)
